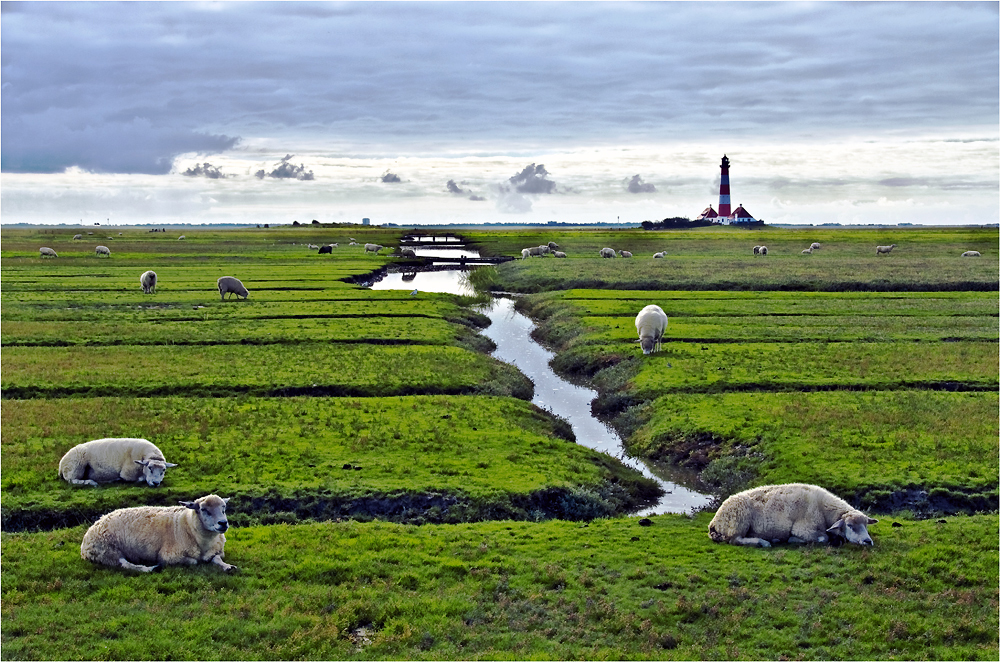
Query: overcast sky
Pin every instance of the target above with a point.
(442, 112)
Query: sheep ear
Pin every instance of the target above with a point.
(169, 464)
(193, 505)
(836, 528)
(872, 521)
(142, 462)
(226, 500)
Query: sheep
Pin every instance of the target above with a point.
(545, 249)
(795, 512)
(78, 236)
(148, 282)
(108, 460)
(971, 254)
(815, 245)
(45, 251)
(181, 237)
(230, 285)
(535, 250)
(756, 250)
(808, 251)
(171, 535)
(373, 248)
(553, 245)
(102, 250)
(558, 254)
(658, 256)
(625, 254)
(407, 252)
(325, 250)
(525, 253)
(333, 245)
(651, 323)
(879, 250)
(353, 243)
(607, 252)
(763, 250)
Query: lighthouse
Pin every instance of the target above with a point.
(724, 206)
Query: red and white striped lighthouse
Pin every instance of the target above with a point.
(724, 206)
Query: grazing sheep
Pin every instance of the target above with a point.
(45, 251)
(756, 250)
(78, 236)
(626, 254)
(525, 253)
(535, 250)
(815, 245)
(230, 285)
(607, 252)
(545, 249)
(333, 245)
(174, 535)
(794, 512)
(325, 250)
(763, 250)
(373, 248)
(181, 237)
(102, 250)
(553, 245)
(971, 254)
(651, 323)
(407, 252)
(879, 250)
(353, 243)
(148, 282)
(808, 251)
(108, 460)
(558, 254)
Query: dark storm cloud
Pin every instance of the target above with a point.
(285, 169)
(204, 170)
(126, 87)
(533, 179)
(390, 178)
(636, 185)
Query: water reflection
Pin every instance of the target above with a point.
(511, 331)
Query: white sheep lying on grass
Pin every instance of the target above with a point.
(808, 251)
(659, 256)
(651, 323)
(607, 252)
(148, 282)
(116, 458)
(558, 254)
(102, 250)
(971, 254)
(185, 534)
(879, 250)
(45, 251)
(230, 285)
(794, 512)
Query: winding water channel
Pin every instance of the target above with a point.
(511, 331)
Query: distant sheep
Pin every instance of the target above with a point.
(181, 237)
(174, 535)
(763, 250)
(794, 512)
(971, 254)
(553, 245)
(102, 250)
(545, 250)
(148, 282)
(373, 248)
(333, 245)
(230, 285)
(536, 250)
(607, 252)
(353, 243)
(558, 254)
(78, 236)
(45, 251)
(879, 250)
(407, 252)
(325, 250)
(109, 460)
(651, 323)
(815, 245)
(626, 254)
(808, 251)
(525, 253)
(756, 250)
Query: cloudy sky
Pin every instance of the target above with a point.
(425, 112)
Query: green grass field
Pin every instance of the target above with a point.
(324, 409)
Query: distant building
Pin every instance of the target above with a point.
(724, 216)
(366, 221)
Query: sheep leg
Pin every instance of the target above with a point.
(78, 481)
(217, 560)
(750, 542)
(138, 568)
